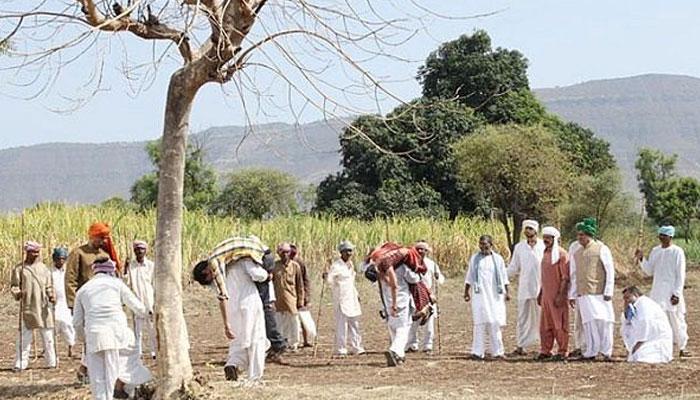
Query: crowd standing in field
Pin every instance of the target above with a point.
(265, 302)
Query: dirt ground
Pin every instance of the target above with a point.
(448, 374)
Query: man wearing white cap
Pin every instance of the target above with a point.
(554, 322)
(431, 278)
(666, 264)
(140, 274)
(346, 302)
(31, 286)
(525, 261)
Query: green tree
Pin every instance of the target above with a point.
(678, 203)
(654, 169)
(588, 154)
(257, 193)
(200, 188)
(516, 170)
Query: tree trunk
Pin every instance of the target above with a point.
(174, 371)
(517, 231)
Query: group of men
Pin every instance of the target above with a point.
(81, 295)
(553, 280)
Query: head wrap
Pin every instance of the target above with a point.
(422, 244)
(589, 226)
(102, 230)
(107, 266)
(531, 223)
(32, 246)
(346, 245)
(140, 244)
(554, 232)
(667, 230)
(59, 252)
(284, 247)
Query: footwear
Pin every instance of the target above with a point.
(411, 349)
(558, 358)
(518, 352)
(153, 355)
(120, 394)
(498, 358)
(428, 352)
(83, 378)
(231, 373)
(587, 359)
(474, 357)
(307, 345)
(392, 359)
(608, 359)
(576, 353)
(543, 357)
(360, 352)
(684, 354)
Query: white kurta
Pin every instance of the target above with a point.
(526, 262)
(400, 325)
(346, 307)
(64, 317)
(650, 327)
(488, 305)
(141, 279)
(429, 280)
(246, 317)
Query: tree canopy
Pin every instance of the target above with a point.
(256, 193)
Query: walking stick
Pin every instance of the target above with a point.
(640, 233)
(55, 327)
(21, 294)
(318, 315)
(437, 311)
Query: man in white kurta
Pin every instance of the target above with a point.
(99, 319)
(63, 315)
(399, 314)
(140, 279)
(525, 262)
(666, 264)
(346, 302)
(645, 329)
(245, 319)
(592, 285)
(432, 278)
(486, 285)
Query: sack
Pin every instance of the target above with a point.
(371, 273)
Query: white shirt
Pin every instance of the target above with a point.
(58, 277)
(98, 316)
(527, 261)
(404, 300)
(341, 279)
(593, 306)
(488, 306)
(667, 266)
(433, 269)
(140, 279)
(649, 325)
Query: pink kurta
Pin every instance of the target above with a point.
(554, 324)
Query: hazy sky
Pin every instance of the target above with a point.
(566, 41)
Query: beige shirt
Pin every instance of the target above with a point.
(79, 269)
(289, 287)
(38, 294)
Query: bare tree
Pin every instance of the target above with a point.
(301, 45)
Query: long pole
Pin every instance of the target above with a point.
(21, 293)
(640, 233)
(53, 316)
(318, 315)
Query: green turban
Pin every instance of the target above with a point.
(589, 226)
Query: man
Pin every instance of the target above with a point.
(487, 279)
(592, 284)
(289, 293)
(308, 326)
(63, 315)
(646, 331)
(399, 308)
(431, 278)
(666, 264)
(140, 277)
(31, 286)
(346, 302)
(526, 260)
(278, 343)
(554, 321)
(98, 318)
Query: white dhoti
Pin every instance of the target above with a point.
(653, 352)
(288, 325)
(23, 353)
(495, 340)
(398, 332)
(347, 329)
(579, 337)
(103, 370)
(598, 318)
(428, 335)
(528, 327)
(141, 324)
(66, 331)
(251, 358)
(307, 323)
(131, 369)
(679, 327)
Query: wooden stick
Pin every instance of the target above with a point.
(318, 315)
(21, 290)
(640, 234)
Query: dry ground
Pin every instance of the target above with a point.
(449, 374)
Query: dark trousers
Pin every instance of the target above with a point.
(276, 339)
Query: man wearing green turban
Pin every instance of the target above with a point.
(592, 285)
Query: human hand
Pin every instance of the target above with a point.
(572, 303)
(607, 298)
(394, 311)
(639, 255)
(507, 296)
(229, 333)
(675, 300)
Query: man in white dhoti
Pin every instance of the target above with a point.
(63, 315)
(666, 264)
(399, 313)
(289, 294)
(140, 277)
(526, 261)
(591, 291)
(346, 302)
(486, 282)
(432, 278)
(31, 286)
(98, 319)
(646, 331)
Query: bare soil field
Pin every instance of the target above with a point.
(445, 375)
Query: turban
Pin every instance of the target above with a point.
(140, 244)
(346, 245)
(284, 247)
(107, 266)
(99, 229)
(31, 246)
(60, 252)
(531, 223)
(667, 230)
(423, 245)
(589, 226)
(553, 232)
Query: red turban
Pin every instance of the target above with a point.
(102, 230)
(99, 229)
